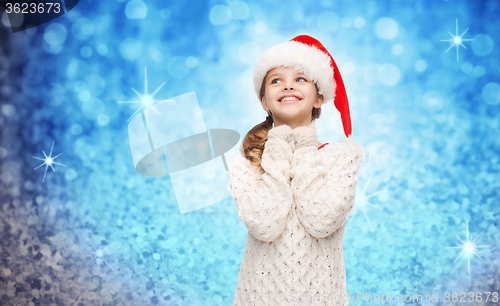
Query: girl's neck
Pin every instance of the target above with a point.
(293, 123)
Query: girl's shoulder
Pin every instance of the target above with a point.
(360, 151)
(344, 147)
(238, 161)
(241, 163)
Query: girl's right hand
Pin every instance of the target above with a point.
(284, 132)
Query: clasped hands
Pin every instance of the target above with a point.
(302, 136)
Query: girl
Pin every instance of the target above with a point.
(293, 193)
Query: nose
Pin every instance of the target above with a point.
(288, 85)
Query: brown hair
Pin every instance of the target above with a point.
(255, 139)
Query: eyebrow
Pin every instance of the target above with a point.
(279, 74)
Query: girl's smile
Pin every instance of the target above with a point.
(289, 99)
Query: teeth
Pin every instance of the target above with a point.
(289, 99)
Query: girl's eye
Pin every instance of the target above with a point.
(275, 81)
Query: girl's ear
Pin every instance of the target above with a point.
(264, 103)
(318, 101)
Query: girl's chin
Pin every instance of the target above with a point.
(288, 115)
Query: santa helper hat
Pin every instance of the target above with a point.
(309, 56)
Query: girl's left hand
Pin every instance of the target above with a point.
(305, 136)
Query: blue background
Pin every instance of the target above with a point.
(97, 233)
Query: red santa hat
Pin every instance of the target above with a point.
(309, 56)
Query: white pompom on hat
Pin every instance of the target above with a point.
(310, 57)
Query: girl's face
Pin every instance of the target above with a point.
(291, 96)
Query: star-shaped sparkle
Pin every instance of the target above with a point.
(145, 100)
(468, 247)
(457, 40)
(48, 161)
(363, 200)
(97, 255)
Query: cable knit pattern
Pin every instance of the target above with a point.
(295, 212)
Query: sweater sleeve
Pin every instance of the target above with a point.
(263, 198)
(324, 185)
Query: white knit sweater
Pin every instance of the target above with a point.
(295, 212)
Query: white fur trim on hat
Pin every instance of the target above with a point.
(309, 60)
